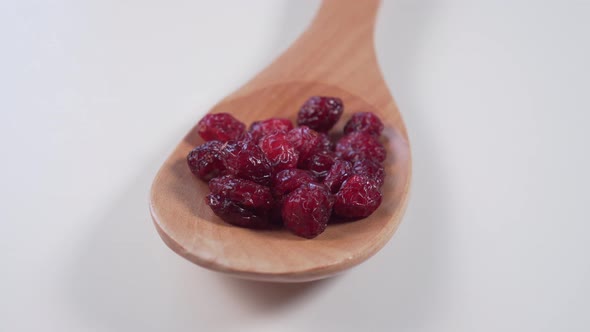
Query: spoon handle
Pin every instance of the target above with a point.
(336, 49)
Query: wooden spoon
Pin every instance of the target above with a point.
(334, 57)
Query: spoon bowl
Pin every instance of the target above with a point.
(189, 227)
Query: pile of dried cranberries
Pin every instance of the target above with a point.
(274, 174)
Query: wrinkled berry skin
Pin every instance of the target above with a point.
(339, 172)
(234, 214)
(320, 163)
(358, 197)
(245, 160)
(359, 145)
(306, 141)
(306, 211)
(246, 193)
(279, 151)
(288, 180)
(204, 160)
(220, 126)
(365, 122)
(370, 169)
(240, 202)
(320, 113)
(265, 127)
(325, 142)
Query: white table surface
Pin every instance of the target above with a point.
(495, 94)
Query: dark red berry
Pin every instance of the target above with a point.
(240, 202)
(265, 127)
(370, 169)
(320, 113)
(279, 151)
(365, 122)
(326, 143)
(204, 160)
(359, 145)
(306, 210)
(275, 213)
(288, 180)
(305, 141)
(339, 172)
(221, 126)
(245, 193)
(233, 213)
(320, 163)
(245, 159)
(358, 197)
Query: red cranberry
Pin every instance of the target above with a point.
(265, 127)
(319, 164)
(358, 197)
(305, 140)
(245, 193)
(340, 171)
(221, 126)
(240, 202)
(320, 113)
(234, 214)
(359, 145)
(326, 143)
(246, 160)
(288, 180)
(204, 160)
(365, 122)
(279, 151)
(370, 169)
(307, 210)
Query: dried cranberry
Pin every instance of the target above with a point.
(340, 171)
(233, 213)
(370, 169)
(365, 122)
(246, 160)
(240, 202)
(319, 164)
(306, 210)
(221, 126)
(358, 197)
(265, 127)
(288, 180)
(305, 140)
(204, 160)
(359, 145)
(245, 193)
(325, 142)
(320, 113)
(279, 151)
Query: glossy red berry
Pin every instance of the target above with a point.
(288, 180)
(320, 163)
(279, 151)
(204, 160)
(220, 126)
(358, 197)
(320, 113)
(306, 210)
(265, 127)
(240, 202)
(306, 141)
(339, 172)
(359, 145)
(246, 160)
(370, 169)
(365, 122)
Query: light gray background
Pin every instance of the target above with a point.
(94, 95)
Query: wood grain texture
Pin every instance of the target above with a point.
(335, 56)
